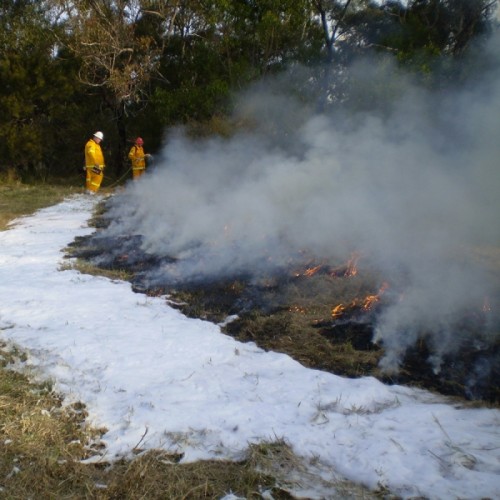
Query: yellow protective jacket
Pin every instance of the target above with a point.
(93, 154)
(136, 156)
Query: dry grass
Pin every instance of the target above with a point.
(292, 334)
(19, 199)
(85, 268)
(300, 314)
(43, 443)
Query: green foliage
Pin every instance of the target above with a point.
(37, 92)
(425, 31)
(19, 74)
(189, 103)
(221, 46)
(136, 68)
(17, 199)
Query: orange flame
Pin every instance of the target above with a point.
(370, 300)
(312, 271)
(337, 311)
(352, 270)
(367, 302)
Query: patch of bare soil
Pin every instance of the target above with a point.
(322, 315)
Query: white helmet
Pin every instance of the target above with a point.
(99, 135)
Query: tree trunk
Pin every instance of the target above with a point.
(121, 150)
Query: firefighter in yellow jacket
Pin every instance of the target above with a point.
(138, 158)
(94, 163)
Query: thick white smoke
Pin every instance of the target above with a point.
(412, 182)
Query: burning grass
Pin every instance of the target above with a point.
(289, 313)
(321, 314)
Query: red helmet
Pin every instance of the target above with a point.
(139, 141)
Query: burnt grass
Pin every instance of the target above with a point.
(291, 312)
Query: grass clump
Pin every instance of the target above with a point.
(297, 336)
(85, 267)
(155, 475)
(18, 199)
(41, 443)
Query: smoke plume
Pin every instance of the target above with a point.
(406, 176)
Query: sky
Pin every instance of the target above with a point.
(151, 376)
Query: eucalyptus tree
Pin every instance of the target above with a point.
(427, 37)
(35, 88)
(118, 57)
(336, 18)
(428, 28)
(220, 46)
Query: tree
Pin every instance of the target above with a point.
(218, 46)
(35, 85)
(435, 27)
(118, 56)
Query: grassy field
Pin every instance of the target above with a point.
(43, 442)
(18, 199)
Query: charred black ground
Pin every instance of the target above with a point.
(321, 315)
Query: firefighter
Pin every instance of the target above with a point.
(94, 163)
(138, 158)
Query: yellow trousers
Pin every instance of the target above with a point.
(137, 172)
(94, 179)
